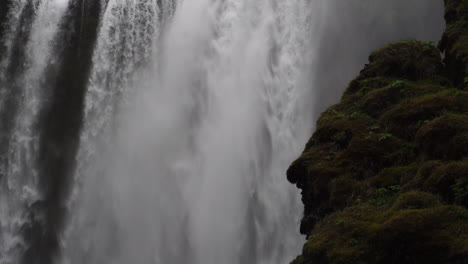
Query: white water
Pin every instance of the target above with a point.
(192, 120)
(11, 26)
(19, 186)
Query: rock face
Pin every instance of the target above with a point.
(384, 178)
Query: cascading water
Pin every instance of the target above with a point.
(193, 111)
(19, 176)
(13, 27)
(201, 172)
(124, 46)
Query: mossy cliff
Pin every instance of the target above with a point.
(384, 178)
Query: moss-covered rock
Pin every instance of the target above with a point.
(455, 41)
(414, 227)
(411, 59)
(408, 116)
(384, 178)
(445, 137)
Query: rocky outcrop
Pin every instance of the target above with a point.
(384, 178)
(455, 41)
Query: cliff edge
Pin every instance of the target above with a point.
(384, 178)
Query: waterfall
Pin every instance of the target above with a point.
(191, 119)
(25, 93)
(184, 116)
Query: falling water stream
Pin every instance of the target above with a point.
(193, 111)
(199, 117)
(24, 91)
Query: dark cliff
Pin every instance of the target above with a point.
(384, 178)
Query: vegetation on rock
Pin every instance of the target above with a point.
(384, 178)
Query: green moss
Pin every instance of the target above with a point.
(338, 128)
(408, 59)
(365, 85)
(407, 117)
(415, 229)
(448, 181)
(384, 178)
(381, 100)
(385, 195)
(394, 176)
(455, 41)
(381, 150)
(415, 200)
(455, 10)
(460, 190)
(345, 191)
(445, 137)
(456, 30)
